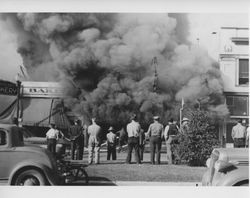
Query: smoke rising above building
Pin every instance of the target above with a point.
(109, 57)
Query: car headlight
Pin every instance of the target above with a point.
(208, 162)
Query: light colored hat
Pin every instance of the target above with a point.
(111, 129)
(156, 117)
(185, 119)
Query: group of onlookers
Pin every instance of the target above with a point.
(133, 137)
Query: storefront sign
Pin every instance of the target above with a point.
(8, 88)
(42, 89)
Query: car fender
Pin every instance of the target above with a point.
(234, 177)
(48, 173)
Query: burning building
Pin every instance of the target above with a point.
(108, 57)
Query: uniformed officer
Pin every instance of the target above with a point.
(111, 144)
(94, 143)
(155, 132)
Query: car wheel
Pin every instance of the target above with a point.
(30, 178)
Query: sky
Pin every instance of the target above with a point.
(201, 28)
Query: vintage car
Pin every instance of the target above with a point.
(227, 167)
(30, 139)
(24, 165)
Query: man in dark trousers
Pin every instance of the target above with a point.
(77, 140)
(122, 138)
(155, 132)
(133, 130)
(111, 144)
(142, 143)
(52, 137)
(239, 134)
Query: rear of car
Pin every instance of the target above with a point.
(227, 167)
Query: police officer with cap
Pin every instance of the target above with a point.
(155, 133)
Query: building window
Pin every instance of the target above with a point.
(2, 138)
(237, 105)
(243, 71)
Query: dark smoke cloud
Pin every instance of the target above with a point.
(109, 57)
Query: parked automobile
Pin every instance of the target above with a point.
(30, 139)
(227, 167)
(24, 165)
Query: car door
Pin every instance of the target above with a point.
(4, 150)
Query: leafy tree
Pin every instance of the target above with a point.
(197, 143)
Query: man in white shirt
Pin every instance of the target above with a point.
(52, 137)
(94, 143)
(239, 134)
(133, 130)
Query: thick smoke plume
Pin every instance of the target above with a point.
(109, 57)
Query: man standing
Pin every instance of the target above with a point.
(142, 143)
(239, 134)
(170, 135)
(133, 130)
(52, 137)
(155, 132)
(122, 138)
(111, 144)
(75, 133)
(247, 137)
(94, 133)
(184, 126)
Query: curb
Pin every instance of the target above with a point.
(143, 183)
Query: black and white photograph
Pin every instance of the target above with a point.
(124, 99)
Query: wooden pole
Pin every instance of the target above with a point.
(18, 101)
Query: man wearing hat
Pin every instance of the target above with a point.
(184, 125)
(155, 132)
(133, 130)
(111, 144)
(76, 137)
(170, 133)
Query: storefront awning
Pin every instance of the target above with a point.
(37, 112)
(42, 112)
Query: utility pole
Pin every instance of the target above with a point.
(18, 101)
(155, 64)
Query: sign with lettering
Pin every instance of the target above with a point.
(8, 88)
(42, 90)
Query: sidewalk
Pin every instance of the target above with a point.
(143, 183)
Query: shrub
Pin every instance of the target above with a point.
(196, 145)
